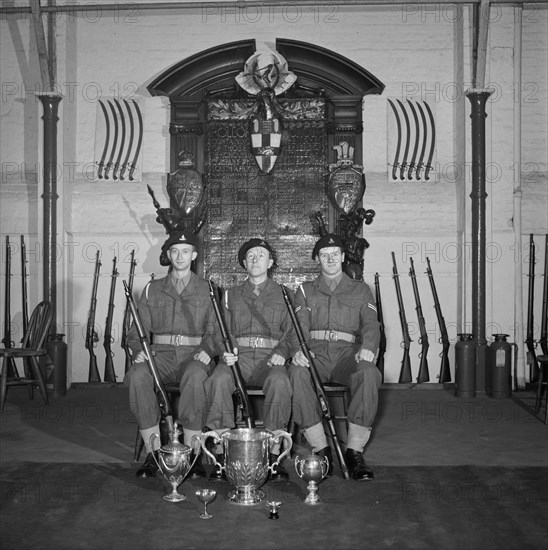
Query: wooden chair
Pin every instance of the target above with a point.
(32, 347)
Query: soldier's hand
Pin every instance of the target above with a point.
(203, 357)
(276, 360)
(365, 355)
(140, 357)
(300, 359)
(230, 358)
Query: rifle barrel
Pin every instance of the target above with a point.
(405, 371)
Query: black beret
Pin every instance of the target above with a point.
(327, 240)
(180, 237)
(252, 243)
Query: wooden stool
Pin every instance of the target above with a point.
(542, 383)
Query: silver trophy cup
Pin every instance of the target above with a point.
(173, 460)
(312, 469)
(246, 465)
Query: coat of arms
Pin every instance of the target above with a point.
(266, 75)
(346, 182)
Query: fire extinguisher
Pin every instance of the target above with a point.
(465, 365)
(498, 375)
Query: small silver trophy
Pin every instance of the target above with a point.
(312, 469)
(206, 496)
(246, 465)
(173, 461)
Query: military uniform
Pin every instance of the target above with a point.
(179, 325)
(336, 325)
(259, 326)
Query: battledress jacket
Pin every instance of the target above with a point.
(350, 308)
(189, 313)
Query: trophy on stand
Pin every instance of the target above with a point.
(246, 466)
(312, 469)
(174, 462)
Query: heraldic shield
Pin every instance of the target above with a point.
(266, 140)
(346, 184)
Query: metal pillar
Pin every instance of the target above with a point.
(478, 98)
(50, 102)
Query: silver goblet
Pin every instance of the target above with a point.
(206, 496)
(312, 469)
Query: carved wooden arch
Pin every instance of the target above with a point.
(211, 74)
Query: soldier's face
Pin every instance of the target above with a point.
(258, 261)
(330, 259)
(181, 256)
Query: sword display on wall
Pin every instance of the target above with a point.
(118, 139)
(411, 128)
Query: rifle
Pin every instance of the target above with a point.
(423, 376)
(127, 318)
(380, 319)
(161, 394)
(238, 379)
(317, 384)
(110, 374)
(445, 372)
(24, 285)
(405, 371)
(91, 335)
(7, 341)
(25, 310)
(543, 341)
(530, 339)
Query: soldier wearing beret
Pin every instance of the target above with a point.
(178, 317)
(338, 317)
(264, 339)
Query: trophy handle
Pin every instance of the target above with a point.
(299, 466)
(217, 439)
(281, 434)
(325, 466)
(151, 441)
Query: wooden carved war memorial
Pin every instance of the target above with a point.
(276, 138)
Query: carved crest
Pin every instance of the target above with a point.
(185, 187)
(346, 182)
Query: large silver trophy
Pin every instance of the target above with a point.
(312, 469)
(173, 461)
(246, 465)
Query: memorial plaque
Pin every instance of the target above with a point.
(244, 202)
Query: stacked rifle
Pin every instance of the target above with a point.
(423, 374)
(7, 339)
(92, 337)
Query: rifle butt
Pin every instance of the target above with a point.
(405, 372)
(424, 375)
(128, 362)
(445, 371)
(93, 370)
(338, 450)
(110, 373)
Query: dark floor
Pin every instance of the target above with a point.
(449, 473)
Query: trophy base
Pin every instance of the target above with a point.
(174, 497)
(246, 498)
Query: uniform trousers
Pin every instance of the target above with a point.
(274, 382)
(175, 366)
(335, 362)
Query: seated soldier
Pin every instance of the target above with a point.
(263, 336)
(177, 314)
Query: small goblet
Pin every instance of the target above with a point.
(206, 496)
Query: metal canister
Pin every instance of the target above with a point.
(498, 376)
(57, 376)
(465, 366)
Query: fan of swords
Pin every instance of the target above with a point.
(118, 140)
(411, 150)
